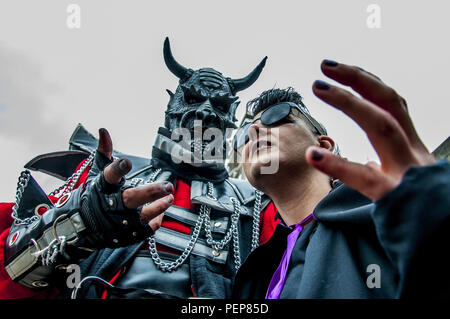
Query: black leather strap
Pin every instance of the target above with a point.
(143, 274)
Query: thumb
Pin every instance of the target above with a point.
(117, 170)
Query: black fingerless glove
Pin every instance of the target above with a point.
(109, 222)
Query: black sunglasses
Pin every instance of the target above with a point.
(273, 116)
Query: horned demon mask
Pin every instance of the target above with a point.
(204, 95)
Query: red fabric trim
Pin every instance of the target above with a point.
(83, 176)
(182, 198)
(79, 183)
(53, 199)
(175, 225)
(5, 216)
(182, 194)
(105, 293)
(268, 223)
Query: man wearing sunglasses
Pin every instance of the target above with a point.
(378, 233)
(278, 114)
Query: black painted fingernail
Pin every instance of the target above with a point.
(321, 85)
(317, 155)
(168, 187)
(330, 63)
(124, 165)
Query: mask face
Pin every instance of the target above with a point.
(204, 95)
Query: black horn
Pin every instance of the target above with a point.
(242, 84)
(176, 68)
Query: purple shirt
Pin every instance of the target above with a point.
(279, 277)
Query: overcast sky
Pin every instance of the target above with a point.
(110, 72)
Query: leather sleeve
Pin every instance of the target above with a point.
(413, 226)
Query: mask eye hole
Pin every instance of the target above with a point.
(220, 104)
(192, 99)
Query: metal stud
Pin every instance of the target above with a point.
(62, 267)
(115, 241)
(62, 200)
(124, 222)
(217, 224)
(38, 207)
(13, 238)
(111, 202)
(39, 284)
(215, 253)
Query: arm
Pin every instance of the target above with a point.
(409, 188)
(412, 223)
(33, 195)
(92, 217)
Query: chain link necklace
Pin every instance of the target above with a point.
(204, 218)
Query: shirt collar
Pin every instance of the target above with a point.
(303, 222)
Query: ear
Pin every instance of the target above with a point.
(326, 142)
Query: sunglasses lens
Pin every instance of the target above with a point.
(241, 138)
(275, 114)
(269, 117)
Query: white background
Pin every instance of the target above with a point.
(110, 72)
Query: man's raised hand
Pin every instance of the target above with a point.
(383, 115)
(116, 214)
(157, 196)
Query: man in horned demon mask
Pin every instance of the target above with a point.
(98, 234)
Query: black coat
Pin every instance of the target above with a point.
(396, 247)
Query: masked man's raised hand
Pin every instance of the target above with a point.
(118, 215)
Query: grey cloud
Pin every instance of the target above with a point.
(24, 91)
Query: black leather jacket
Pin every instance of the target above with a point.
(210, 272)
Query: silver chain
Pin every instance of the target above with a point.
(168, 267)
(72, 180)
(49, 254)
(24, 178)
(236, 251)
(256, 215)
(204, 218)
(23, 182)
(155, 175)
(218, 245)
